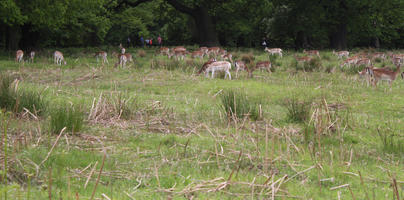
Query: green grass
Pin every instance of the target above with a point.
(66, 116)
(166, 134)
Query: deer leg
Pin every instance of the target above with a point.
(228, 72)
(213, 73)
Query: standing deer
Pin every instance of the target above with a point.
(240, 66)
(103, 55)
(383, 74)
(274, 51)
(212, 66)
(197, 54)
(31, 56)
(341, 54)
(312, 52)
(58, 58)
(19, 55)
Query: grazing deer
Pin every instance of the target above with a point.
(312, 52)
(204, 50)
(197, 54)
(363, 61)
(103, 55)
(164, 51)
(261, 65)
(240, 66)
(228, 57)
(365, 73)
(180, 54)
(341, 54)
(379, 55)
(212, 66)
(179, 48)
(58, 58)
(397, 61)
(274, 51)
(122, 60)
(303, 59)
(19, 55)
(350, 61)
(213, 51)
(129, 57)
(383, 74)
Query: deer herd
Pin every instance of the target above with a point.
(221, 60)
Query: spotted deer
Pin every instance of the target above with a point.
(341, 54)
(274, 51)
(58, 58)
(164, 51)
(31, 56)
(312, 52)
(197, 54)
(103, 55)
(213, 66)
(19, 55)
(240, 66)
(383, 74)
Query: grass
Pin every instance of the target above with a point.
(237, 106)
(166, 134)
(66, 116)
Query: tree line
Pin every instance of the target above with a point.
(295, 24)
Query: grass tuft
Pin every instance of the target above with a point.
(237, 106)
(66, 116)
(298, 111)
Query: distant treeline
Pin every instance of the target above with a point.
(32, 24)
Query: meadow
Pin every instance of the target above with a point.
(157, 130)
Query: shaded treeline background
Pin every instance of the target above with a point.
(285, 23)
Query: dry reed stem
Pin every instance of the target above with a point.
(90, 175)
(53, 146)
(99, 175)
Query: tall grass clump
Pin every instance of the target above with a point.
(19, 100)
(66, 116)
(237, 106)
(298, 111)
(391, 142)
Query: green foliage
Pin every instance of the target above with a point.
(298, 110)
(392, 142)
(66, 116)
(237, 106)
(19, 100)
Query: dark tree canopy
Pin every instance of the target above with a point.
(284, 23)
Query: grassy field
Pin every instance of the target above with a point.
(156, 130)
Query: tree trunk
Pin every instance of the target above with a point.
(376, 42)
(301, 40)
(206, 28)
(338, 39)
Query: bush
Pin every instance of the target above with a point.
(298, 111)
(237, 106)
(66, 116)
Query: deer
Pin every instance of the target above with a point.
(228, 57)
(123, 50)
(397, 60)
(58, 58)
(213, 51)
(350, 61)
(122, 59)
(32, 56)
(204, 50)
(19, 55)
(363, 61)
(303, 59)
(274, 51)
(164, 51)
(365, 73)
(383, 74)
(222, 52)
(180, 54)
(261, 65)
(197, 54)
(312, 52)
(179, 48)
(212, 66)
(240, 66)
(103, 55)
(379, 55)
(341, 54)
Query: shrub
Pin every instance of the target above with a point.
(298, 111)
(66, 116)
(237, 106)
